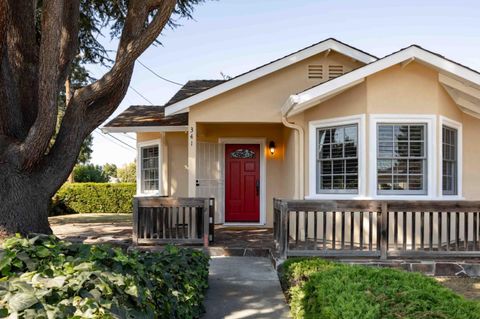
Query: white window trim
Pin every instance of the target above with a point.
(432, 156)
(161, 191)
(263, 177)
(362, 166)
(459, 127)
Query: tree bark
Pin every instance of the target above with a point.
(24, 204)
(31, 73)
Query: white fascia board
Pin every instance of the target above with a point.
(140, 129)
(183, 105)
(312, 96)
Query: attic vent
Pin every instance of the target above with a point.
(334, 71)
(315, 71)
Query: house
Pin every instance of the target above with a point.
(329, 121)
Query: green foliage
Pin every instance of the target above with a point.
(326, 290)
(43, 277)
(110, 170)
(84, 198)
(128, 173)
(89, 173)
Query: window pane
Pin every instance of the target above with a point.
(149, 168)
(337, 160)
(401, 159)
(450, 162)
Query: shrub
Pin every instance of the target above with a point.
(89, 173)
(43, 277)
(127, 173)
(320, 289)
(83, 198)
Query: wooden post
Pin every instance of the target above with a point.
(384, 231)
(135, 221)
(211, 220)
(206, 224)
(283, 228)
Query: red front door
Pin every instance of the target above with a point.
(242, 183)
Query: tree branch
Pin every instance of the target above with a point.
(18, 68)
(38, 138)
(92, 104)
(69, 38)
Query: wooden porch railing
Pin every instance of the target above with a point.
(420, 229)
(162, 220)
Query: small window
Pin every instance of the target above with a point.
(450, 160)
(337, 159)
(402, 159)
(335, 71)
(149, 169)
(315, 71)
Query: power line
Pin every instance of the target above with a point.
(126, 144)
(115, 138)
(140, 94)
(158, 75)
(132, 138)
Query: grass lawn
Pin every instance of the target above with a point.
(320, 289)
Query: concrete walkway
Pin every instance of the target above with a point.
(244, 287)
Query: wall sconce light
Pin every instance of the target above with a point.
(271, 146)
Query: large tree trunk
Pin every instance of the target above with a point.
(24, 204)
(32, 70)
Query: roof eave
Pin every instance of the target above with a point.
(324, 91)
(141, 129)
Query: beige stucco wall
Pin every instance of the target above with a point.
(275, 181)
(177, 158)
(260, 100)
(471, 157)
(413, 89)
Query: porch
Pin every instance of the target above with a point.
(375, 230)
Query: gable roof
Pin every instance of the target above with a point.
(328, 44)
(302, 101)
(146, 118)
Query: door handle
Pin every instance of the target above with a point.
(258, 187)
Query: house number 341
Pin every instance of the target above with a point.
(190, 135)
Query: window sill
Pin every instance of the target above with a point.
(381, 197)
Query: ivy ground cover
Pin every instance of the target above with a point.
(321, 289)
(44, 277)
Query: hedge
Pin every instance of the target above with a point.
(43, 277)
(322, 289)
(84, 198)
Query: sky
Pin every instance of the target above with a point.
(233, 36)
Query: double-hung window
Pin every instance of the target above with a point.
(149, 169)
(337, 159)
(402, 159)
(449, 160)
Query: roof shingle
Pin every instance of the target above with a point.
(154, 115)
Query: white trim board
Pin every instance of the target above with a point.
(300, 102)
(263, 176)
(432, 142)
(139, 129)
(362, 160)
(162, 171)
(459, 127)
(329, 44)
